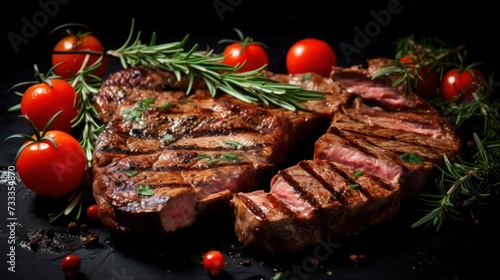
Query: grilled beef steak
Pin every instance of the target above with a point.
(167, 156)
(380, 149)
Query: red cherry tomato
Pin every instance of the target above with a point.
(461, 84)
(72, 62)
(42, 100)
(252, 55)
(311, 55)
(425, 86)
(93, 213)
(70, 265)
(51, 163)
(214, 262)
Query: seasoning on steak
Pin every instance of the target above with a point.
(167, 157)
(359, 173)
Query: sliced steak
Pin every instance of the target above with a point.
(309, 202)
(359, 173)
(167, 156)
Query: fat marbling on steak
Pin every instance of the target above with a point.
(359, 173)
(167, 157)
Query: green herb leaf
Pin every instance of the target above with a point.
(168, 137)
(165, 105)
(233, 144)
(412, 158)
(307, 77)
(145, 190)
(224, 157)
(229, 157)
(353, 186)
(358, 173)
(132, 173)
(136, 113)
(200, 157)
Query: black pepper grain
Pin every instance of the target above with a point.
(73, 228)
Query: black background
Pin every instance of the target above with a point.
(472, 23)
(395, 251)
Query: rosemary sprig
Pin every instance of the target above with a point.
(426, 53)
(86, 85)
(481, 112)
(463, 184)
(248, 87)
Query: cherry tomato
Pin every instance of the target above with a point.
(70, 265)
(50, 163)
(214, 262)
(245, 51)
(253, 55)
(310, 55)
(42, 100)
(425, 87)
(93, 213)
(461, 84)
(72, 62)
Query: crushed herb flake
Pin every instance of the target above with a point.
(225, 157)
(307, 77)
(168, 137)
(353, 186)
(132, 173)
(200, 157)
(412, 158)
(233, 144)
(136, 113)
(165, 105)
(145, 190)
(358, 173)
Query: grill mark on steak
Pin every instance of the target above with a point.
(335, 146)
(350, 181)
(334, 130)
(281, 227)
(297, 188)
(309, 169)
(372, 131)
(252, 207)
(281, 206)
(424, 123)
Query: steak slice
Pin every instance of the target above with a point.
(398, 139)
(167, 157)
(267, 224)
(380, 91)
(309, 202)
(363, 155)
